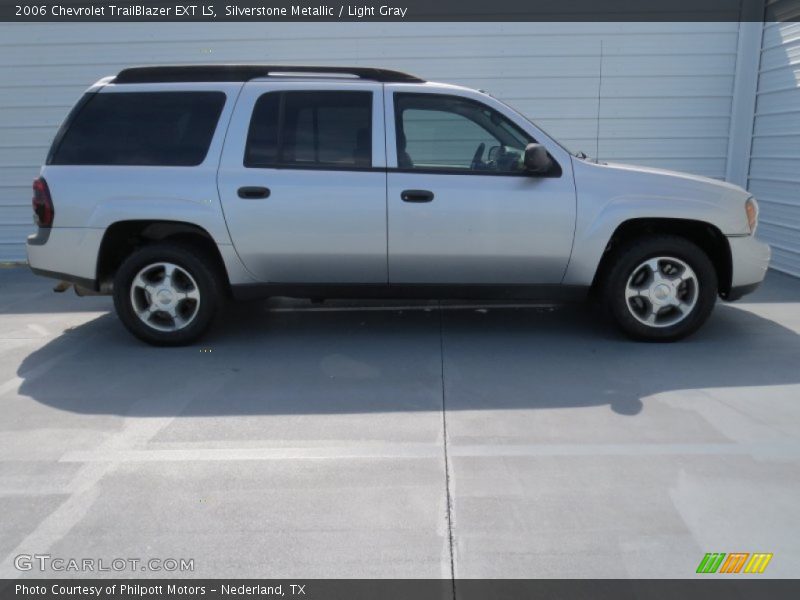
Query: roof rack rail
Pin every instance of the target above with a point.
(197, 73)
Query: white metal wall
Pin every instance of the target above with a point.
(774, 176)
(665, 94)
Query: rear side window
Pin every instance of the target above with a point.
(171, 129)
(311, 129)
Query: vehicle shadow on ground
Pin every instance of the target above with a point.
(349, 359)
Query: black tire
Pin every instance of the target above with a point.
(197, 265)
(627, 261)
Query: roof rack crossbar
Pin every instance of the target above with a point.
(197, 73)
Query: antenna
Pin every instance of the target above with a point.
(599, 93)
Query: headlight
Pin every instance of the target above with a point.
(751, 208)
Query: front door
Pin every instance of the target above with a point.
(461, 209)
(303, 182)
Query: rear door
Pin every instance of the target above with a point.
(303, 182)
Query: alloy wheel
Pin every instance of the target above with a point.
(165, 296)
(661, 291)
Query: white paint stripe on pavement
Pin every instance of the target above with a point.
(78, 343)
(83, 487)
(789, 451)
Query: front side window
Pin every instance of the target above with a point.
(440, 132)
(141, 128)
(311, 129)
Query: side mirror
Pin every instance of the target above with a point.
(494, 151)
(536, 160)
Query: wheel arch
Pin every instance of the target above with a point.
(705, 235)
(124, 237)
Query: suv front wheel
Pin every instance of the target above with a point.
(165, 294)
(661, 288)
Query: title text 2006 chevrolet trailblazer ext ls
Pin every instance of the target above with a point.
(175, 187)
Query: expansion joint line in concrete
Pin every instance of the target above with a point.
(448, 495)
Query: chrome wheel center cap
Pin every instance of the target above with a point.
(165, 297)
(662, 292)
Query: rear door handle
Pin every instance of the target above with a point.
(416, 196)
(253, 192)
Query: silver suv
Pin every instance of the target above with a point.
(176, 187)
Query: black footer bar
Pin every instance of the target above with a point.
(732, 588)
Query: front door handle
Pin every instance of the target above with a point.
(253, 192)
(416, 196)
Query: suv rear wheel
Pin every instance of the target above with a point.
(165, 294)
(661, 288)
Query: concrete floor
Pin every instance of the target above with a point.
(328, 442)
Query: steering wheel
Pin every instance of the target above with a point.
(476, 158)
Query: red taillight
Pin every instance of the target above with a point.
(43, 211)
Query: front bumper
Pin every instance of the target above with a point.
(749, 261)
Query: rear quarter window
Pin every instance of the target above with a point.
(140, 128)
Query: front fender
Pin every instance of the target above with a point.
(610, 195)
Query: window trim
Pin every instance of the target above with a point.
(471, 173)
(281, 164)
(554, 173)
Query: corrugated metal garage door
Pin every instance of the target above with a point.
(775, 156)
(666, 87)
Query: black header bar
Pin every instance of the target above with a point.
(398, 10)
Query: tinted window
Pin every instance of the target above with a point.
(453, 133)
(141, 128)
(262, 140)
(311, 129)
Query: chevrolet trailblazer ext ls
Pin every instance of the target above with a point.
(175, 187)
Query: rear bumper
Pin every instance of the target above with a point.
(86, 283)
(68, 253)
(750, 260)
